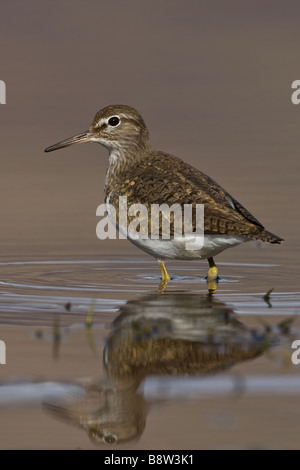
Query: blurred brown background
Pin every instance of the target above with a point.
(211, 79)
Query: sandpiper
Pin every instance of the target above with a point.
(147, 176)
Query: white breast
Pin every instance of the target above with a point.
(177, 248)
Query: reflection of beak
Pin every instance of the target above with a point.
(76, 139)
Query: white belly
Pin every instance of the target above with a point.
(177, 248)
(180, 247)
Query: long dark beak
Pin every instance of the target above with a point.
(76, 139)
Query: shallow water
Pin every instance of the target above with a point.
(178, 369)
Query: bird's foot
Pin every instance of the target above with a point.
(212, 273)
(212, 279)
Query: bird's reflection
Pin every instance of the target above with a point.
(160, 334)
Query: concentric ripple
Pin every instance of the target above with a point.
(71, 286)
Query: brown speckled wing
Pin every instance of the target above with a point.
(161, 178)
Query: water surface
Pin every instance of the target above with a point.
(154, 370)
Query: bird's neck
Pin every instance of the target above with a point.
(121, 160)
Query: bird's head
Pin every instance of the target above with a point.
(116, 127)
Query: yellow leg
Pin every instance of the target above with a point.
(165, 277)
(213, 270)
(212, 276)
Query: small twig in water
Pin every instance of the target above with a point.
(266, 297)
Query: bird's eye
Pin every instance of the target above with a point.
(110, 439)
(114, 121)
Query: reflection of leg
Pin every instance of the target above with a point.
(165, 277)
(212, 275)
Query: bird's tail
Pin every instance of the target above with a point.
(266, 236)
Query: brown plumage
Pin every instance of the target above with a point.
(147, 176)
(161, 178)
